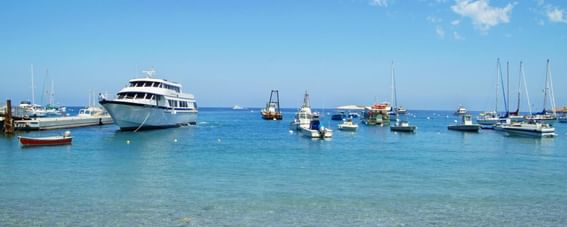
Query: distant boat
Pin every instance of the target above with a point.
(348, 125)
(315, 130)
(377, 114)
(304, 116)
(237, 107)
(465, 125)
(272, 110)
(461, 110)
(402, 126)
(563, 119)
(46, 141)
(338, 116)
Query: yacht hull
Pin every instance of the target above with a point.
(132, 116)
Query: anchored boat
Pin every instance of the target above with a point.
(348, 125)
(272, 110)
(402, 126)
(304, 116)
(46, 141)
(529, 128)
(315, 130)
(148, 103)
(465, 125)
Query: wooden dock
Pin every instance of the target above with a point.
(62, 122)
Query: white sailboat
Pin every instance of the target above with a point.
(530, 127)
(490, 118)
(396, 110)
(546, 116)
(31, 109)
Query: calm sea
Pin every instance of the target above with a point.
(235, 169)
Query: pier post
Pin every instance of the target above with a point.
(8, 122)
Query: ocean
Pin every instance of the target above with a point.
(235, 169)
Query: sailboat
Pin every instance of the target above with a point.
(51, 108)
(396, 110)
(546, 116)
(529, 127)
(31, 109)
(272, 110)
(490, 118)
(399, 125)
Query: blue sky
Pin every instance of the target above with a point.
(235, 52)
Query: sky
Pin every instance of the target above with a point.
(234, 52)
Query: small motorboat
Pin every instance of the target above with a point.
(339, 116)
(315, 130)
(461, 110)
(348, 125)
(402, 126)
(65, 139)
(563, 119)
(466, 125)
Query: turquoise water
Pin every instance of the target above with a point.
(235, 169)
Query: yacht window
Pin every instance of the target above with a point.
(129, 96)
(153, 97)
(120, 96)
(148, 96)
(156, 84)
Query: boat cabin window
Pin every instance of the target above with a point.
(183, 104)
(173, 103)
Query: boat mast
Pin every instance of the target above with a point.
(503, 90)
(526, 87)
(508, 88)
(552, 93)
(546, 87)
(519, 90)
(32, 86)
(497, 83)
(278, 97)
(395, 93)
(306, 100)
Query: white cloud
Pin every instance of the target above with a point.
(482, 14)
(455, 22)
(380, 3)
(457, 36)
(440, 32)
(556, 15)
(433, 19)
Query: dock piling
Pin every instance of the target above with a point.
(8, 122)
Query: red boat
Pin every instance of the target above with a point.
(46, 141)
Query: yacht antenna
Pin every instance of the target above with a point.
(149, 73)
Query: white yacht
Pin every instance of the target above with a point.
(461, 110)
(304, 116)
(148, 103)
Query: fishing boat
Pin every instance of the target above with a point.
(465, 125)
(402, 126)
(348, 125)
(303, 116)
(377, 114)
(461, 110)
(529, 128)
(315, 130)
(149, 103)
(272, 110)
(65, 139)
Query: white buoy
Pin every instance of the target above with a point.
(428, 118)
(67, 134)
(219, 140)
(127, 141)
(175, 140)
(290, 131)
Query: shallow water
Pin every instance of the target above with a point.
(234, 168)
